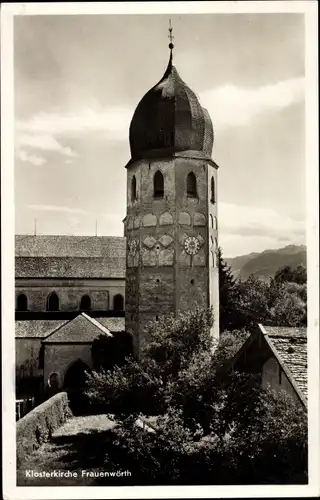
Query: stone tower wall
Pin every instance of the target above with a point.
(161, 277)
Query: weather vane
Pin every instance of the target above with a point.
(170, 36)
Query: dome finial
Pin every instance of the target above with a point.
(171, 37)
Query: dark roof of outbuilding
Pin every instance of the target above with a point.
(81, 329)
(290, 347)
(36, 328)
(70, 256)
(170, 119)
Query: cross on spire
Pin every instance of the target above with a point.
(170, 36)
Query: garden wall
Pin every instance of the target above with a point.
(38, 426)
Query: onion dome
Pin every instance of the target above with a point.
(169, 121)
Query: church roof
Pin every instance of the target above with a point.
(114, 325)
(81, 329)
(170, 119)
(69, 256)
(36, 328)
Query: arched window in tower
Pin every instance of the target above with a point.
(213, 191)
(134, 188)
(191, 185)
(22, 302)
(118, 302)
(158, 185)
(53, 302)
(85, 304)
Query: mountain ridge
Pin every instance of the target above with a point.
(266, 263)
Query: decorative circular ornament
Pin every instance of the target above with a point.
(191, 245)
(133, 245)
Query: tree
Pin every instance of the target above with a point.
(289, 274)
(228, 296)
(205, 430)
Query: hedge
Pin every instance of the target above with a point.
(38, 426)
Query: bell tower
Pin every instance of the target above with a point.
(171, 222)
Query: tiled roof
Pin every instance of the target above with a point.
(114, 325)
(290, 345)
(70, 256)
(69, 246)
(36, 328)
(80, 329)
(70, 267)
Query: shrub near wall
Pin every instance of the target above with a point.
(38, 425)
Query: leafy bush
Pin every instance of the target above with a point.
(37, 426)
(256, 437)
(209, 430)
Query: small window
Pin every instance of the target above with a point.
(158, 185)
(53, 302)
(22, 302)
(85, 304)
(213, 191)
(118, 303)
(133, 188)
(191, 185)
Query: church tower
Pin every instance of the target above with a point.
(171, 224)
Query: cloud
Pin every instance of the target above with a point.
(231, 106)
(256, 228)
(44, 142)
(30, 158)
(248, 221)
(228, 105)
(114, 122)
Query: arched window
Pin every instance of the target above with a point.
(133, 188)
(213, 191)
(191, 185)
(158, 185)
(22, 302)
(85, 304)
(118, 302)
(53, 302)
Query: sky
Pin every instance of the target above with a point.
(78, 79)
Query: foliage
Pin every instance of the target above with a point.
(208, 430)
(110, 351)
(229, 344)
(37, 426)
(289, 274)
(255, 437)
(228, 296)
(278, 302)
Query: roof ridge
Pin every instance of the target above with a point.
(96, 323)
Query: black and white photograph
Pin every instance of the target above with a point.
(160, 282)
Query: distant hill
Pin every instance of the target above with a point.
(266, 264)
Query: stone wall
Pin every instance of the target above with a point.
(161, 276)
(27, 357)
(59, 357)
(101, 292)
